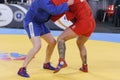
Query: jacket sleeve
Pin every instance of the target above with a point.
(49, 7)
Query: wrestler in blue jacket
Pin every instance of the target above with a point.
(38, 13)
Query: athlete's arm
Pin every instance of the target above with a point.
(59, 2)
(54, 10)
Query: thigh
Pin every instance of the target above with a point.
(49, 38)
(67, 34)
(36, 41)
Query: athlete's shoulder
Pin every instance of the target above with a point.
(41, 2)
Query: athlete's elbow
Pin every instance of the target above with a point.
(53, 12)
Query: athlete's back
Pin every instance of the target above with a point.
(81, 9)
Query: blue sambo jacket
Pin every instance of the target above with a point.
(40, 11)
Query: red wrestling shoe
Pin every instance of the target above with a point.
(84, 68)
(62, 64)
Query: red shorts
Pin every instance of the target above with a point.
(83, 27)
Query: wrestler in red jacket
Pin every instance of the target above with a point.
(83, 26)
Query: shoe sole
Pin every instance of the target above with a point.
(49, 69)
(84, 70)
(22, 75)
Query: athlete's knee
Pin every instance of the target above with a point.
(52, 42)
(60, 39)
(79, 43)
(37, 47)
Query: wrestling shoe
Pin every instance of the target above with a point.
(48, 66)
(62, 64)
(22, 72)
(84, 68)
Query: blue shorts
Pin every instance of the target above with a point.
(34, 29)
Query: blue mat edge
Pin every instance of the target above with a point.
(110, 37)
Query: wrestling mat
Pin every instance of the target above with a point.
(103, 59)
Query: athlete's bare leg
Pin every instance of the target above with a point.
(36, 42)
(83, 52)
(66, 35)
(51, 45)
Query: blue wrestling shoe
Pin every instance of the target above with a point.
(48, 66)
(22, 72)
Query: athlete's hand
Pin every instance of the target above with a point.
(70, 2)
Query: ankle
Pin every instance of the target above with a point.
(84, 64)
(46, 62)
(61, 59)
